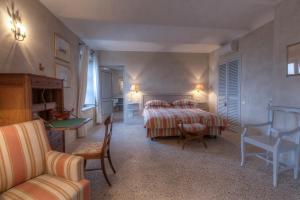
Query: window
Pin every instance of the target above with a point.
(291, 68)
(90, 97)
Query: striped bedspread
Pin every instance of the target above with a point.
(163, 121)
(168, 117)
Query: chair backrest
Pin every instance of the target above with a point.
(108, 133)
(22, 153)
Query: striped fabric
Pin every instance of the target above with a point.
(65, 166)
(22, 153)
(47, 187)
(163, 119)
(168, 117)
(184, 102)
(157, 104)
(162, 132)
(192, 128)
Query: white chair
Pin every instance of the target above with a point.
(274, 143)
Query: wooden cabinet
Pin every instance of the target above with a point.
(25, 97)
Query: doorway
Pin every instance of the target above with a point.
(112, 87)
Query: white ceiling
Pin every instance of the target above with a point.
(161, 25)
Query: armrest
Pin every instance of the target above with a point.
(65, 165)
(288, 133)
(257, 125)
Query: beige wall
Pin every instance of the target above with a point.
(160, 73)
(25, 56)
(256, 52)
(264, 60)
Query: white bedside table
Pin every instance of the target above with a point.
(133, 109)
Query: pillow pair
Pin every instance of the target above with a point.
(183, 103)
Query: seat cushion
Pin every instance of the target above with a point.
(22, 153)
(89, 150)
(192, 128)
(47, 187)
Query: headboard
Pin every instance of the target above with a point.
(170, 98)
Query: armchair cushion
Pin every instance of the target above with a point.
(22, 153)
(65, 165)
(49, 187)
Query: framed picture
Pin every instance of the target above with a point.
(62, 48)
(293, 59)
(63, 72)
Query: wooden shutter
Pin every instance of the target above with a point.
(229, 94)
(222, 109)
(233, 95)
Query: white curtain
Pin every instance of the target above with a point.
(97, 91)
(83, 69)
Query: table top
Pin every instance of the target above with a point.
(67, 124)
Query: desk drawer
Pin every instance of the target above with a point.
(41, 82)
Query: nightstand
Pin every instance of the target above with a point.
(133, 109)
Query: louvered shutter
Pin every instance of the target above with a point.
(233, 95)
(229, 94)
(222, 109)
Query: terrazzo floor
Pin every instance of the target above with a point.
(160, 170)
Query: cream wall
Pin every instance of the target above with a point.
(25, 56)
(256, 52)
(264, 60)
(159, 73)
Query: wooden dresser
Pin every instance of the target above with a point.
(25, 97)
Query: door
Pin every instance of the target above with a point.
(106, 92)
(229, 93)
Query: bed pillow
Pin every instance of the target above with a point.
(157, 104)
(184, 103)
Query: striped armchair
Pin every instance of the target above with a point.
(30, 170)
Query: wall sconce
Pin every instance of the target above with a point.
(135, 88)
(199, 87)
(16, 25)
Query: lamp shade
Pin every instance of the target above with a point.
(135, 87)
(199, 87)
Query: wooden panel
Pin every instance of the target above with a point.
(13, 99)
(45, 82)
(16, 96)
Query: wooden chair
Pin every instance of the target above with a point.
(275, 143)
(98, 150)
(194, 131)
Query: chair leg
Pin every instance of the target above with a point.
(110, 162)
(201, 139)
(275, 168)
(267, 157)
(242, 151)
(204, 144)
(296, 160)
(104, 171)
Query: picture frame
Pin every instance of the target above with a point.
(64, 73)
(62, 48)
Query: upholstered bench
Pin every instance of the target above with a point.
(194, 131)
(30, 170)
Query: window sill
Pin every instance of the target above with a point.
(89, 107)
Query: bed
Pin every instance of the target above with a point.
(162, 122)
